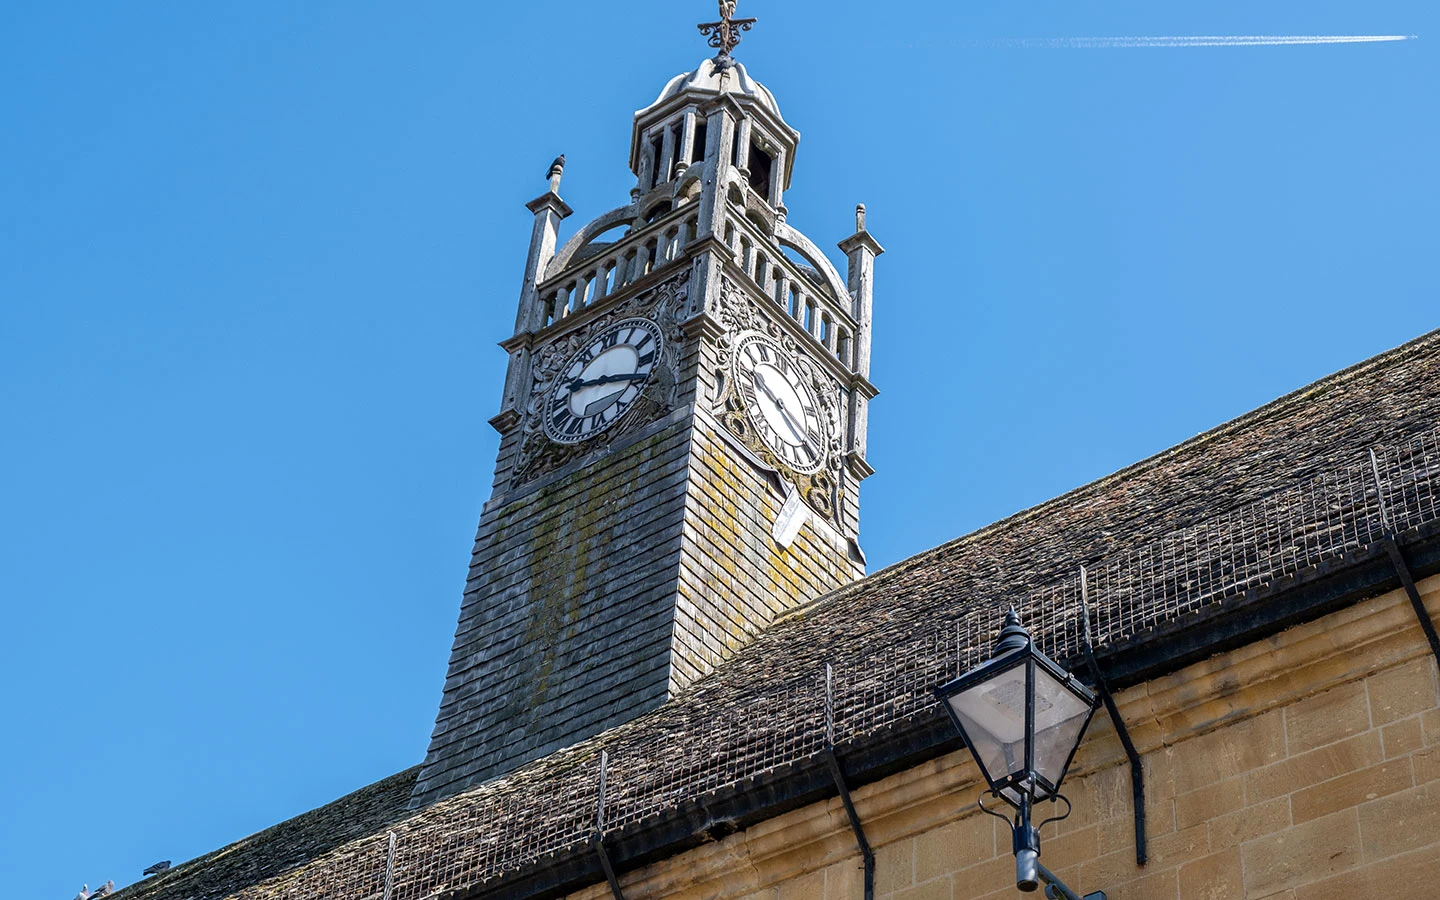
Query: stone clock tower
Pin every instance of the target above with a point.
(682, 435)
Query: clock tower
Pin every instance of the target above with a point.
(682, 435)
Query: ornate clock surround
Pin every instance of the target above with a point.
(663, 305)
(739, 315)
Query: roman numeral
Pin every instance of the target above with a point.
(645, 338)
(609, 340)
(574, 427)
(645, 358)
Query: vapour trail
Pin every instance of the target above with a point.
(1204, 40)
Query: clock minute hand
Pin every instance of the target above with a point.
(779, 404)
(578, 383)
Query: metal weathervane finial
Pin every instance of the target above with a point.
(725, 34)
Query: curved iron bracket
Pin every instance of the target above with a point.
(867, 856)
(600, 832)
(1397, 559)
(1137, 769)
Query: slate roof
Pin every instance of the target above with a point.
(283, 847)
(1254, 521)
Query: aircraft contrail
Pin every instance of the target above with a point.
(1204, 40)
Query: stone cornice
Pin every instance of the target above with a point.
(858, 466)
(505, 420)
(861, 239)
(551, 202)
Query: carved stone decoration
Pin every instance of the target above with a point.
(666, 307)
(820, 490)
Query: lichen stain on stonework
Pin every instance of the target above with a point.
(559, 563)
(565, 553)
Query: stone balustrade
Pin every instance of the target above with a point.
(804, 298)
(592, 279)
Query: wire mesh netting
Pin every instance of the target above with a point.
(700, 748)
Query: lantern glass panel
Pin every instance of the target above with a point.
(992, 716)
(1060, 717)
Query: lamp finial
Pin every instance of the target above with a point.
(1013, 635)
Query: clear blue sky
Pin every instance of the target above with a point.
(255, 257)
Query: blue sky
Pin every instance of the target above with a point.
(255, 257)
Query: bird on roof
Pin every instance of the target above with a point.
(159, 867)
(104, 890)
(84, 892)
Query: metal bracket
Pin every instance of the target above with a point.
(600, 832)
(389, 866)
(1137, 769)
(1398, 560)
(867, 857)
(1029, 870)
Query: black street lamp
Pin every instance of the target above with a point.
(1022, 716)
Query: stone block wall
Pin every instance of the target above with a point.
(1303, 766)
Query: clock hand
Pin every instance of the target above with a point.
(578, 383)
(779, 404)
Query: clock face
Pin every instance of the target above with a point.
(780, 403)
(600, 382)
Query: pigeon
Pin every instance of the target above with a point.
(104, 890)
(84, 892)
(159, 867)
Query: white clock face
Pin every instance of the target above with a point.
(600, 382)
(780, 403)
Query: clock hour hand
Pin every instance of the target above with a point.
(579, 383)
(779, 404)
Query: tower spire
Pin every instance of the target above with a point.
(725, 34)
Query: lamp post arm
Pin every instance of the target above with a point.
(1029, 870)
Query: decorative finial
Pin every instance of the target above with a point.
(725, 34)
(859, 217)
(557, 168)
(1013, 635)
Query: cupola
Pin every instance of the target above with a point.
(670, 137)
